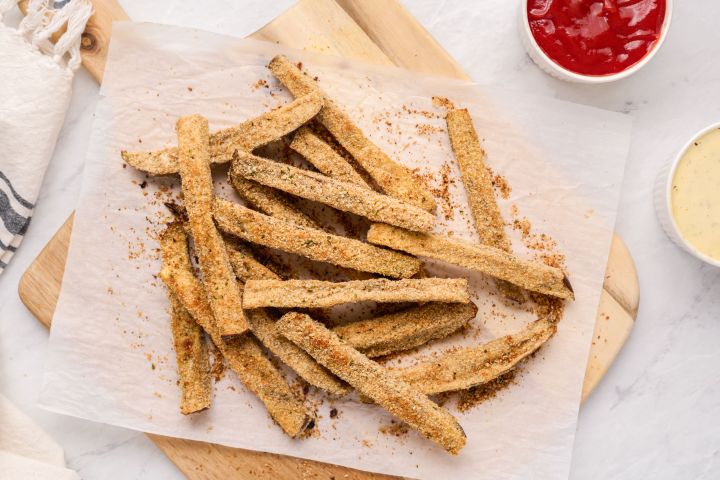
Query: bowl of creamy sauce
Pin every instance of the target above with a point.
(688, 197)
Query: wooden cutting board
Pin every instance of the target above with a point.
(369, 30)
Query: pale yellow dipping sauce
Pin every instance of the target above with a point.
(695, 197)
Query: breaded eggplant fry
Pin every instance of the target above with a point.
(264, 379)
(479, 187)
(476, 178)
(192, 359)
(372, 380)
(242, 260)
(533, 276)
(174, 246)
(242, 353)
(322, 294)
(344, 196)
(245, 265)
(253, 133)
(407, 329)
(473, 366)
(197, 188)
(264, 328)
(393, 178)
(269, 201)
(190, 346)
(255, 227)
(323, 157)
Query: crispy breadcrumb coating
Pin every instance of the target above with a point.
(269, 201)
(242, 352)
(322, 294)
(190, 347)
(344, 196)
(396, 332)
(472, 366)
(253, 133)
(315, 244)
(197, 188)
(323, 157)
(533, 276)
(372, 380)
(479, 187)
(395, 179)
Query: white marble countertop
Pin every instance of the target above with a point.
(655, 415)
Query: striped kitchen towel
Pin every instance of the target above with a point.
(15, 212)
(35, 88)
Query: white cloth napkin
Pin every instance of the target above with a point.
(26, 451)
(35, 87)
(17, 467)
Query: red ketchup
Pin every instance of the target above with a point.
(596, 37)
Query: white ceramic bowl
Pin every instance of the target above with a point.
(663, 198)
(555, 70)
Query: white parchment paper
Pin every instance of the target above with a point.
(111, 357)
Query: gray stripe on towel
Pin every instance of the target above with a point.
(9, 248)
(14, 223)
(17, 196)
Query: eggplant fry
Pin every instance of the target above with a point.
(263, 327)
(253, 133)
(393, 178)
(190, 347)
(322, 294)
(197, 188)
(192, 359)
(243, 354)
(245, 265)
(476, 179)
(533, 276)
(255, 227)
(372, 380)
(407, 329)
(323, 157)
(473, 366)
(347, 197)
(479, 187)
(242, 260)
(270, 201)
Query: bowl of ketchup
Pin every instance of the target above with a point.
(594, 41)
